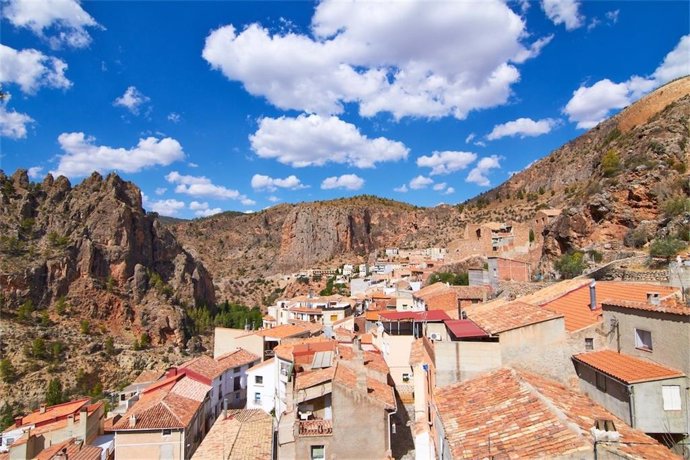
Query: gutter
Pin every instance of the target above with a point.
(395, 411)
(631, 393)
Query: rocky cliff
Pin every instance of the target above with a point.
(83, 264)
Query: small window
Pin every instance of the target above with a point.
(221, 377)
(601, 381)
(643, 339)
(259, 379)
(406, 377)
(671, 396)
(236, 370)
(589, 344)
(167, 432)
(334, 318)
(318, 453)
(257, 397)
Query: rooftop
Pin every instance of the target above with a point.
(431, 315)
(626, 368)
(422, 352)
(237, 358)
(282, 331)
(149, 376)
(53, 413)
(74, 450)
(528, 416)
(304, 348)
(575, 304)
(500, 317)
(472, 292)
(376, 390)
(245, 434)
(464, 329)
(670, 305)
(205, 366)
(312, 378)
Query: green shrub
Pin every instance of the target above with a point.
(7, 371)
(84, 326)
(571, 264)
(38, 348)
(25, 311)
(675, 206)
(57, 240)
(636, 237)
(610, 163)
(666, 247)
(54, 394)
(109, 346)
(531, 235)
(61, 306)
(454, 279)
(595, 255)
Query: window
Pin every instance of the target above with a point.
(167, 432)
(236, 370)
(589, 344)
(643, 339)
(334, 318)
(257, 397)
(236, 384)
(601, 381)
(406, 377)
(318, 453)
(259, 379)
(671, 396)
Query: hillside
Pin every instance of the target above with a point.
(620, 184)
(83, 266)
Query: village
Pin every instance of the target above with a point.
(393, 363)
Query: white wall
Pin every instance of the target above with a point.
(267, 389)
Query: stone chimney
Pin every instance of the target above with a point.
(132, 421)
(70, 420)
(653, 298)
(18, 420)
(593, 295)
(42, 409)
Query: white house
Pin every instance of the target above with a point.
(261, 386)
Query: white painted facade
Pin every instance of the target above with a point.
(261, 386)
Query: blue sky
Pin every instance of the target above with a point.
(213, 106)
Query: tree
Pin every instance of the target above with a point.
(38, 348)
(454, 279)
(6, 415)
(610, 163)
(54, 394)
(25, 310)
(144, 341)
(7, 371)
(109, 346)
(570, 265)
(665, 247)
(531, 235)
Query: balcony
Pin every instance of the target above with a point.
(308, 428)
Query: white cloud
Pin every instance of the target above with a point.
(273, 199)
(35, 172)
(469, 138)
(13, 124)
(420, 182)
(346, 181)
(478, 175)
(312, 140)
(563, 12)
(262, 182)
(247, 201)
(612, 16)
(592, 104)
(192, 165)
(174, 117)
(61, 22)
(164, 207)
(449, 191)
(440, 186)
(200, 186)
(523, 127)
(32, 70)
(534, 50)
(203, 209)
(82, 156)
(161, 190)
(446, 162)
(132, 100)
(404, 58)
(402, 189)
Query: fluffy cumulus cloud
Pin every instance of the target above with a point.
(61, 22)
(402, 58)
(83, 156)
(313, 140)
(200, 186)
(479, 174)
(168, 207)
(590, 105)
(448, 161)
(443, 188)
(565, 12)
(31, 70)
(420, 182)
(346, 181)
(262, 182)
(203, 209)
(523, 127)
(13, 124)
(132, 100)
(402, 189)
(35, 172)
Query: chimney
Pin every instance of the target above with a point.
(653, 298)
(132, 421)
(70, 420)
(42, 409)
(593, 295)
(18, 420)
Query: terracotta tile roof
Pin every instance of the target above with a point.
(74, 451)
(422, 352)
(205, 366)
(464, 329)
(313, 328)
(304, 348)
(149, 376)
(513, 315)
(191, 389)
(163, 407)
(626, 368)
(372, 315)
(268, 318)
(671, 305)
(527, 416)
(376, 390)
(313, 311)
(54, 413)
(432, 315)
(244, 434)
(575, 304)
(282, 331)
(265, 363)
(472, 292)
(372, 360)
(237, 358)
(312, 378)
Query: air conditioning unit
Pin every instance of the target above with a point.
(435, 336)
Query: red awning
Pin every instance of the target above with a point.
(464, 329)
(431, 315)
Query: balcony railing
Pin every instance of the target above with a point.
(315, 427)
